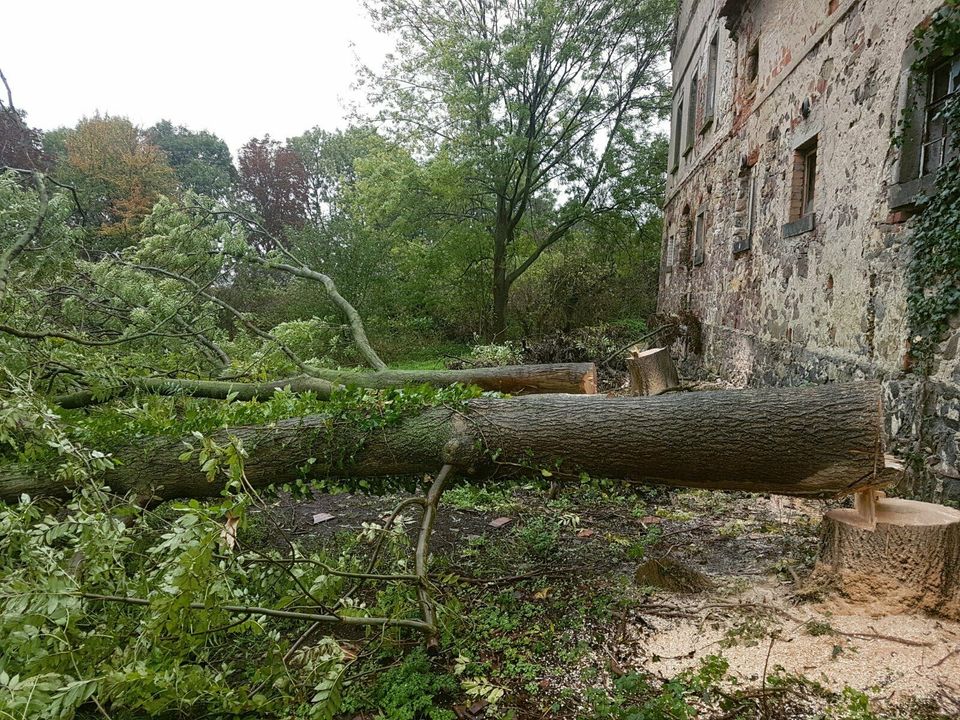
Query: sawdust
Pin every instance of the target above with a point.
(893, 656)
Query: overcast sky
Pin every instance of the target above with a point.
(238, 68)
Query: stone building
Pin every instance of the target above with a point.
(789, 203)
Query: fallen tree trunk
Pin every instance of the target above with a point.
(795, 441)
(576, 378)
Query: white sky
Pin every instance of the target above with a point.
(240, 69)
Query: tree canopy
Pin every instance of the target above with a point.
(546, 106)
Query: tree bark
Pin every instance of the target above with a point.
(575, 378)
(795, 441)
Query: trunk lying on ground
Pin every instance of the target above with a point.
(796, 441)
(577, 378)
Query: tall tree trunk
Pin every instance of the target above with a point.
(501, 282)
(793, 441)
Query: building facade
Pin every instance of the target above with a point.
(791, 185)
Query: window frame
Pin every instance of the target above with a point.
(909, 182)
(699, 238)
(677, 133)
(747, 189)
(751, 65)
(710, 91)
(932, 108)
(689, 136)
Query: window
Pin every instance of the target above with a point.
(942, 84)
(678, 126)
(752, 65)
(926, 144)
(803, 188)
(671, 248)
(745, 216)
(691, 116)
(710, 99)
(698, 239)
(809, 179)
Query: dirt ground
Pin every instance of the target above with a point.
(759, 613)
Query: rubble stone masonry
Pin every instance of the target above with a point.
(789, 203)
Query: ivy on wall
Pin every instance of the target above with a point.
(934, 271)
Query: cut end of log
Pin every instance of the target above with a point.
(652, 372)
(909, 562)
(588, 384)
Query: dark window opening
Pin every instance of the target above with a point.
(804, 183)
(926, 141)
(809, 180)
(753, 62)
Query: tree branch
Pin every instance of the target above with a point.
(26, 237)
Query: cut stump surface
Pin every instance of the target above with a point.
(910, 562)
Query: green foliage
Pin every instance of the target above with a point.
(201, 160)
(534, 116)
(539, 537)
(412, 690)
(934, 272)
(63, 646)
(505, 353)
(637, 697)
(852, 705)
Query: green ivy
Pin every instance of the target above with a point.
(934, 271)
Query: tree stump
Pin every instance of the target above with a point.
(909, 561)
(652, 372)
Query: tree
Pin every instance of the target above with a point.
(544, 103)
(273, 180)
(20, 145)
(329, 159)
(201, 160)
(118, 172)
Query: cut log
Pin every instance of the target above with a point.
(576, 378)
(909, 561)
(793, 441)
(652, 372)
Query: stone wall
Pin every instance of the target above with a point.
(785, 299)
